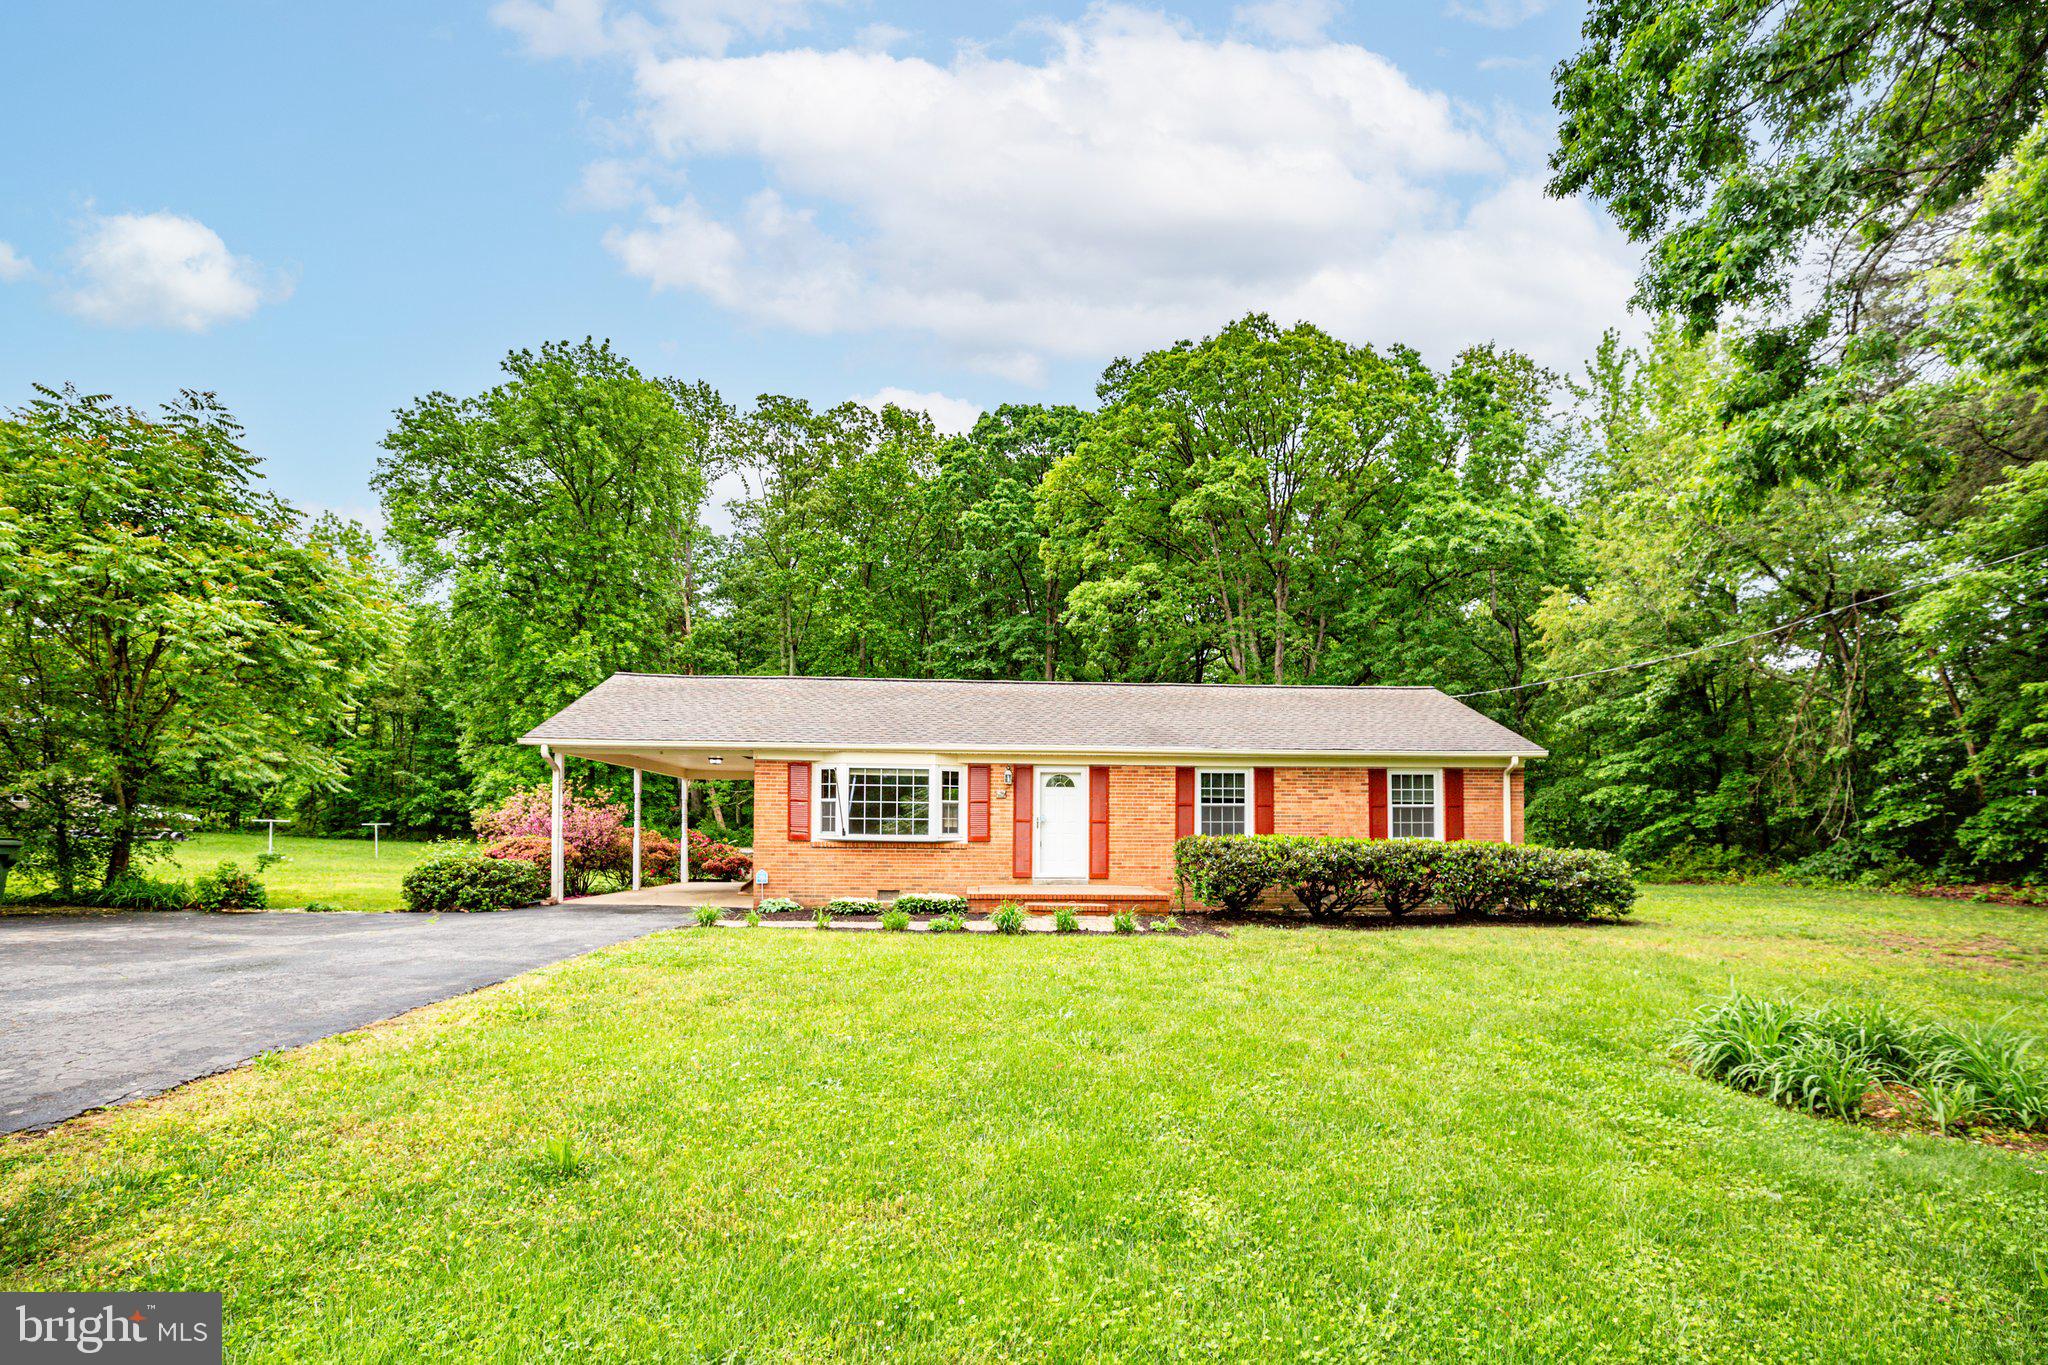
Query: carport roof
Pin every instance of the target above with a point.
(746, 712)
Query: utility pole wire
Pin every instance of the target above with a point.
(1753, 635)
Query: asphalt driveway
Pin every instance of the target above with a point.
(108, 1008)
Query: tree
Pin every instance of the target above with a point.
(170, 628)
(559, 513)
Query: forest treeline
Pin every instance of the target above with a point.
(1813, 492)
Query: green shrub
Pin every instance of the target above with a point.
(1065, 921)
(915, 904)
(133, 891)
(1331, 876)
(708, 916)
(1826, 1059)
(1008, 918)
(464, 882)
(854, 905)
(947, 924)
(1123, 922)
(753, 919)
(321, 906)
(1231, 872)
(781, 905)
(1169, 925)
(895, 921)
(227, 887)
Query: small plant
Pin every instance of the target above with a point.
(229, 888)
(266, 861)
(895, 921)
(854, 905)
(1169, 925)
(560, 1158)
(946, 924)
(753, 919)
(822, 917)
(1008, 918)
(1951, 1103)
(1123, 922)
(781, 905)
(918, 904)
(708, 916)
(318, 907)
(1065, 921)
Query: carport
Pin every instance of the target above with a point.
(682, 762)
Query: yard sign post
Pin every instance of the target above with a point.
(376, 849)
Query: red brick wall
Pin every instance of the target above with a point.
(1305, 801)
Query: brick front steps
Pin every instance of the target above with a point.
(1083, 898)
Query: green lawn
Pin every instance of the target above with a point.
(1463, 1142)
(342, 872)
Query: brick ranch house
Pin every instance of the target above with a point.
(1044, 793)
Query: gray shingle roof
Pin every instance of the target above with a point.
(853, 713)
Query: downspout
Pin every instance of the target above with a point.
(1507, 799)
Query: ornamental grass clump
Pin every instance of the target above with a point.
(1827, 1059)
(708, 916)
(1008, 918)
(1065, 921)
(895, 921)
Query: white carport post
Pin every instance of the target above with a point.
(683, 819)
(554, 825)
(636, 829)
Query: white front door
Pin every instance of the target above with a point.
(1062, 823)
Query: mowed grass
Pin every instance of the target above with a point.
(345, 873)
(1443, 1143)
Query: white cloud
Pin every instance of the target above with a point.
(1510, 63)
(951, 416)
(1286, 21)
(1496, 13)
(1135, 182)
(164, 270)
(596, 28)
(13, 265)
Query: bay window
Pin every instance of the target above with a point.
(888, 801)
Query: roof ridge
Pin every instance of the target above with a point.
(1026, 682)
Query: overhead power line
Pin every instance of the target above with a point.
(1753, 635)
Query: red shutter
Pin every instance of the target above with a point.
(1262, 800)
(1020, 822)
(800, 803)
(977, 803)
(1098, 823)
(1376, 803)
(1454, 804)
(1183, 802)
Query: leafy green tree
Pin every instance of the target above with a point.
(559, 514)
(170, 628)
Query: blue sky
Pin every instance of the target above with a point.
(323, 211)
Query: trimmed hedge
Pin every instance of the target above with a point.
(470, 882)
(1332, 877)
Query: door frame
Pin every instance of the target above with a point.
(1039, 862)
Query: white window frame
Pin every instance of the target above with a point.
(935, 771)
(1251, 819)
(1437, 806)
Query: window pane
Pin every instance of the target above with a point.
(828, 800)
(949, 801)
(888, 801)
(1412, 803)
(1220, 803)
